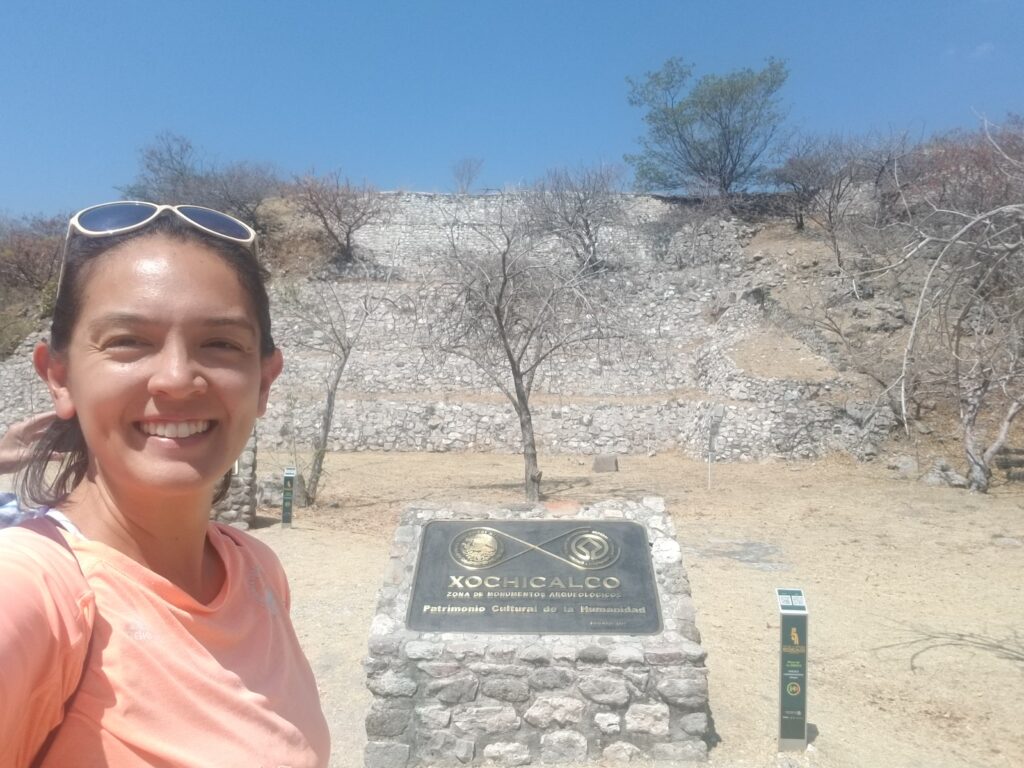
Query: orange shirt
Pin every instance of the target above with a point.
(168, 681)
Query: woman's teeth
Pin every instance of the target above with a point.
(175, 429)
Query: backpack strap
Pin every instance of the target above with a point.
(44, 526)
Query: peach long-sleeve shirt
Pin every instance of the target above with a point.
(168, 681)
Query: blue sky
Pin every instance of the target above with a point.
(395, 92)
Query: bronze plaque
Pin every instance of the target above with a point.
(535, 576)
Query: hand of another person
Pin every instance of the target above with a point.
(16, 442)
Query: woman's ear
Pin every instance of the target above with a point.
(270, 369)
(53, 370)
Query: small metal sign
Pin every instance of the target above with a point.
(287, 491)
(792, 669)
(535, 576)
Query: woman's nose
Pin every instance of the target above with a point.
(176, 374)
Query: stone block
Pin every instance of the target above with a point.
(637, 679)
(506, 688)
(478, 720)
(564, 652)
(439, 668)
(593, 654)
(388, 718)
(464, 750)
(604, 688)
(680, 752)
(436, 748)
(621, 752)
(455, 689)
(433, 717)
(391, 684)
(609, 723)
(684, 687)
(486, 669)
(384, 645)
(551, 678)
(666, 551)
(606, 462)
(695, 724)
(625, 654)
(385, 754)
(467, 649)
(508, 753)
(681, 652)
(563, 747)
(554, 710)
(648, 718)
(417, 650)
(535, 654)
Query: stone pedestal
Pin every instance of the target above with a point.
(443, 698)
(238, 507)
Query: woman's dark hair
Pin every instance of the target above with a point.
(37, 485)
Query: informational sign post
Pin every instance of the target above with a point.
(287, 492)
(792, 669)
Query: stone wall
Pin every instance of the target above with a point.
(663, 389)
(442, 698)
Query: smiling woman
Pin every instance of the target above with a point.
(152, 648)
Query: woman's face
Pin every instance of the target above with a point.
(163, 368)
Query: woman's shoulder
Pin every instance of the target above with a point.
(244, 543)
(42, 579)
(22, 547)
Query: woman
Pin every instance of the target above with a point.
(168, 642)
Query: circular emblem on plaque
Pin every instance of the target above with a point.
(590, 550)
(477, 548)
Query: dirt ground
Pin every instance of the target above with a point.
(916, 649)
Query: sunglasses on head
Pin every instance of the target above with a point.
(117, 218)
(109, 219)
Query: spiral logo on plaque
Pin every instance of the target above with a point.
(477, 548)
(590, 550)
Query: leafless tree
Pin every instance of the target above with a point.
(173, 170)
(575, 207)
(967, 335)
(822, 175)
(509, 305)
(30, 251)
(341, 209)
(465, 173)
(337, 319)
(170, 171)
(681, 234)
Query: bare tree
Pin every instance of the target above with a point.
(30, 251)
(341, 209)
(465, 173)
(172, 170)
(575, 207)
(243, 189)
(822, 175)
(967, 335)
(337, 320)
(509, 305)
(681, 235)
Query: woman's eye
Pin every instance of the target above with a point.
(124, 342)
(226, 344)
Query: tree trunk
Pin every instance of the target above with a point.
(978, 473)
(532, 473)
(320, 444)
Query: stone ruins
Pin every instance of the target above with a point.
(672, 387)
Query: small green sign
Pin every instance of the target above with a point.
(287, 490)
(792, 669)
